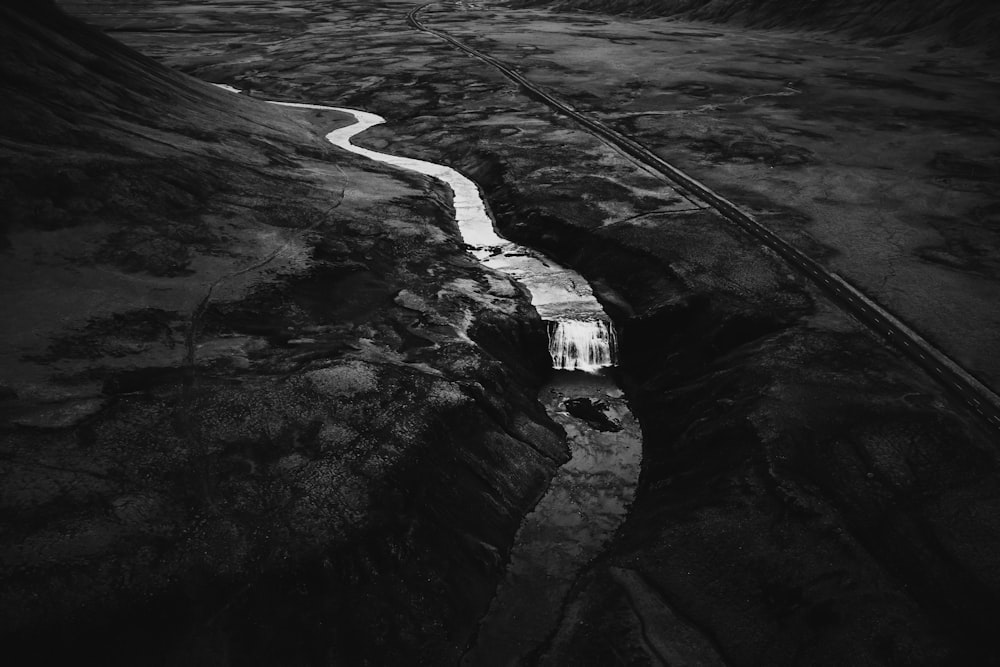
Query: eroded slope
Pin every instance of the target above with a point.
(251, 385)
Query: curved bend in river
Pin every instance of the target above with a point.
(581, 336)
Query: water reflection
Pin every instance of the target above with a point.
(589, 496)
(584, 505)
(582, 337)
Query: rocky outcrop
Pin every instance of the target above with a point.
(957, 22)
(259, 407)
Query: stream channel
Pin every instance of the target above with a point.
(589, 496)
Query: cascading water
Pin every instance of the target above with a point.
(582, 345)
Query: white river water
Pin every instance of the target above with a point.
(581, 336)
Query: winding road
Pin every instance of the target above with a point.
(956, 380)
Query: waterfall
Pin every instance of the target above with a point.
(590, 495)
(579, 336)
(582, 345)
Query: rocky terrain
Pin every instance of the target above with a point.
(258, 404)
(807, 495)
(960, 22)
